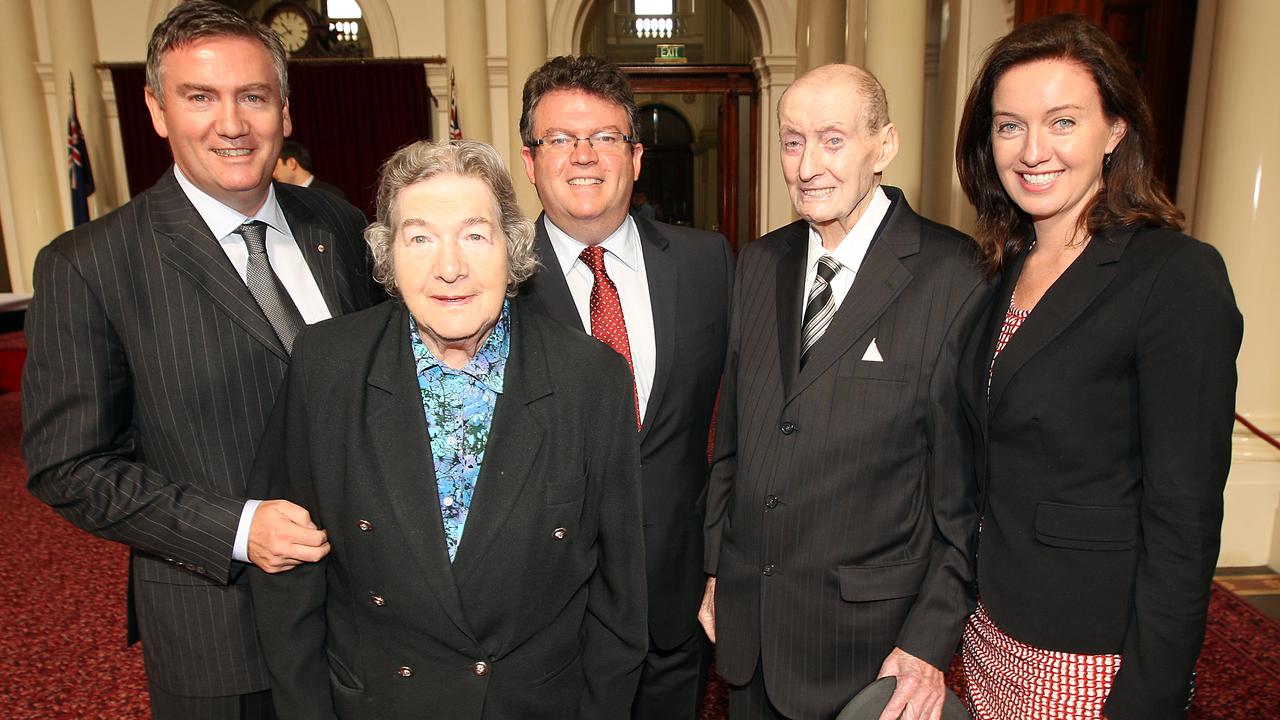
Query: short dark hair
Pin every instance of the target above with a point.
(1130, 194)
(294, 150)
(587, 73)
(199, 19)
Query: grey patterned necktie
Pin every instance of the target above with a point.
(267, 288)
(821, 306)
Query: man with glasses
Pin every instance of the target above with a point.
(657, 294)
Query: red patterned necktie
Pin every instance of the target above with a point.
(607, 323)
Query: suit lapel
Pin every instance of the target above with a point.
(663, 276)
(548, 289)
(187, 244)
(879, 279)
(398, 425)
(319, 248)
(986, 345)
(1064, 301)
(789, 295)
(515, 440)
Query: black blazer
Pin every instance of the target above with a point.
(546, 590)
(150, 375)
(842, 507)
(690, 275)
(1103, 451)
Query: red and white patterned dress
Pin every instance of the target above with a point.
(1011, 680)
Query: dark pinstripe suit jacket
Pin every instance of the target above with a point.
(149, 378)
(690, 275)
(841, 513)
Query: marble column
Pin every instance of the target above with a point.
(526, 52)
(895, 49)
(74, 47)
(1237, 210)
(820, 33)
(32, 176)
(465, 48)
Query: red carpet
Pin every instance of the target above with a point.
(62, 628)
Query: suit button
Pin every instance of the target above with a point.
(559, 533)
(788, 427)
(405, 671)
(378, 600)
(364, 525)
(481, 668)
(766, 570)
(771, 502)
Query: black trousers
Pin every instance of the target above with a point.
(672, 681)
(254, 706)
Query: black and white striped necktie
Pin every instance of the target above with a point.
(821, 306)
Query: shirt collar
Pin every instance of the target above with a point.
(487, 367)
(623, 243)
(222, 220)
(853, 247)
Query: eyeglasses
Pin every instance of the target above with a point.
(605, 141)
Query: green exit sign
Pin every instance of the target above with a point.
(671, 53)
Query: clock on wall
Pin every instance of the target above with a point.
(296, 25)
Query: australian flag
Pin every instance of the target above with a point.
(78, 169)
(455, 131)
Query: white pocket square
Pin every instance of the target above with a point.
(872, 354)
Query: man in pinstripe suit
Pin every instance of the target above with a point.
(840, 511)
(152, 366)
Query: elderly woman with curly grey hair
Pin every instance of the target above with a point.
(476, 470)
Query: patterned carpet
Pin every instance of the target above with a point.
(62, 626)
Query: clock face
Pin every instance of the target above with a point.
(293, 28)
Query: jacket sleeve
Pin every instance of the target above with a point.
(724, 458)
(79, 442)
(289, 607)
(1187, 340)
(933, 627)
(616, 625)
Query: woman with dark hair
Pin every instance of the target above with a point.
(1101, 389)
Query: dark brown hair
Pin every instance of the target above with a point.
(199, 19)
(589, 74)
(1130, 194)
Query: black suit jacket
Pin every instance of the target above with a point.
(318, 184)
(546, 588)
(150, 375)
(842, 507)
(1107, 443)
(690, 274)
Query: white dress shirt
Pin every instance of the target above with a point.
(287, 263)
(624, 261)
(849, 253)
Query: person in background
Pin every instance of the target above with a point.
(476, 467)
(294, 166)
(158, 336)
(657, 294)
(640, 206)
(1100, 388)
(842, 508)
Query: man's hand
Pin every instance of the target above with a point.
(707, 611)
(282, 536)
(920, 689)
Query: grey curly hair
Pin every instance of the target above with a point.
(469, 158)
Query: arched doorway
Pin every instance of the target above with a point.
(666, 175)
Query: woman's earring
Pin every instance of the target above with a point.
(1106, 161)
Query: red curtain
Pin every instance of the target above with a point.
(351, 116)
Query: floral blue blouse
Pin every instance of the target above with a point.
(459, 406)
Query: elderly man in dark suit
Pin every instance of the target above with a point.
(841, 514)
(656, 293)
(158, 335)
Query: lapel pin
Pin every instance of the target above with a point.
(320, 247)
